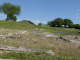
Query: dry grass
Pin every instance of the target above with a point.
(59, 47)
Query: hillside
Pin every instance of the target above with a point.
(16, 25)
(26, 25)
(26, 34)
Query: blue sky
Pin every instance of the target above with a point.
(42, 11)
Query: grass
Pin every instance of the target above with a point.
(16, 25)
(32, 56)
(25, 25)
(58, 29)
(60, 48)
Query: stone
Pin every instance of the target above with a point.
(64, 39)
(14, 37)
(23, 49)
(76, 38)
(53, 36)
(41, 29)
(23, 31)
(79, 47)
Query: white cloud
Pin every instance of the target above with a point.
(77, 14)
(44, 22)
(18, 20)
(27, 19)
(77, 17)
(2, 15)
(36, 22)
(78, 10)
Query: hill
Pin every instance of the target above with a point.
(16, 25)
(27, 25)
(33, 36)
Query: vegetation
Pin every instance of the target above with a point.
(27, 25)
(67, 22)
(16, 25)
(10, 10)
(59, 22)
(32, 56)
(63, 50)
(39, 24)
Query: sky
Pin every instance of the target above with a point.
(42, 11)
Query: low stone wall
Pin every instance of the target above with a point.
(53, 36)
(14, 37)
(61, 37)
(24, 49)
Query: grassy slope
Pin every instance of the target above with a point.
(27, 26)
(15, 25)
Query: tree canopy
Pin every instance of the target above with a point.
(59, 22)
(39, 24)
(67, 22)
(10, 10)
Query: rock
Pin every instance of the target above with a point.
(53, 36)
(23, 31)
(76, 38)
(64, 39)
(23, 49)
(14, 37)
(60, 37)
(79, 47)
(41, 29)
(32, 33)
(35, 41)
(10, 34)
(42, 36)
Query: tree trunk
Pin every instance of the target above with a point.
(7, 18)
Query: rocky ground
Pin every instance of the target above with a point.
(39, 39)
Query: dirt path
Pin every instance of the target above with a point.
(76, 41)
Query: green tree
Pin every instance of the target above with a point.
(39, 24)
(58, 21)
(13, 18)
(49, 23)
(10, 10)
(76, 26)
(68, 22)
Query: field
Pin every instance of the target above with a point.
(62, 50)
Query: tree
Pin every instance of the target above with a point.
(58, 21)
(39, 24)
(76, 26)
(10, 10)
(49, 23)
(68, 22)
(13, 18)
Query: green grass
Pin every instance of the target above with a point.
(32, 56)
(25, 25)
(58, 46)
(59, 29)
(16, 25)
